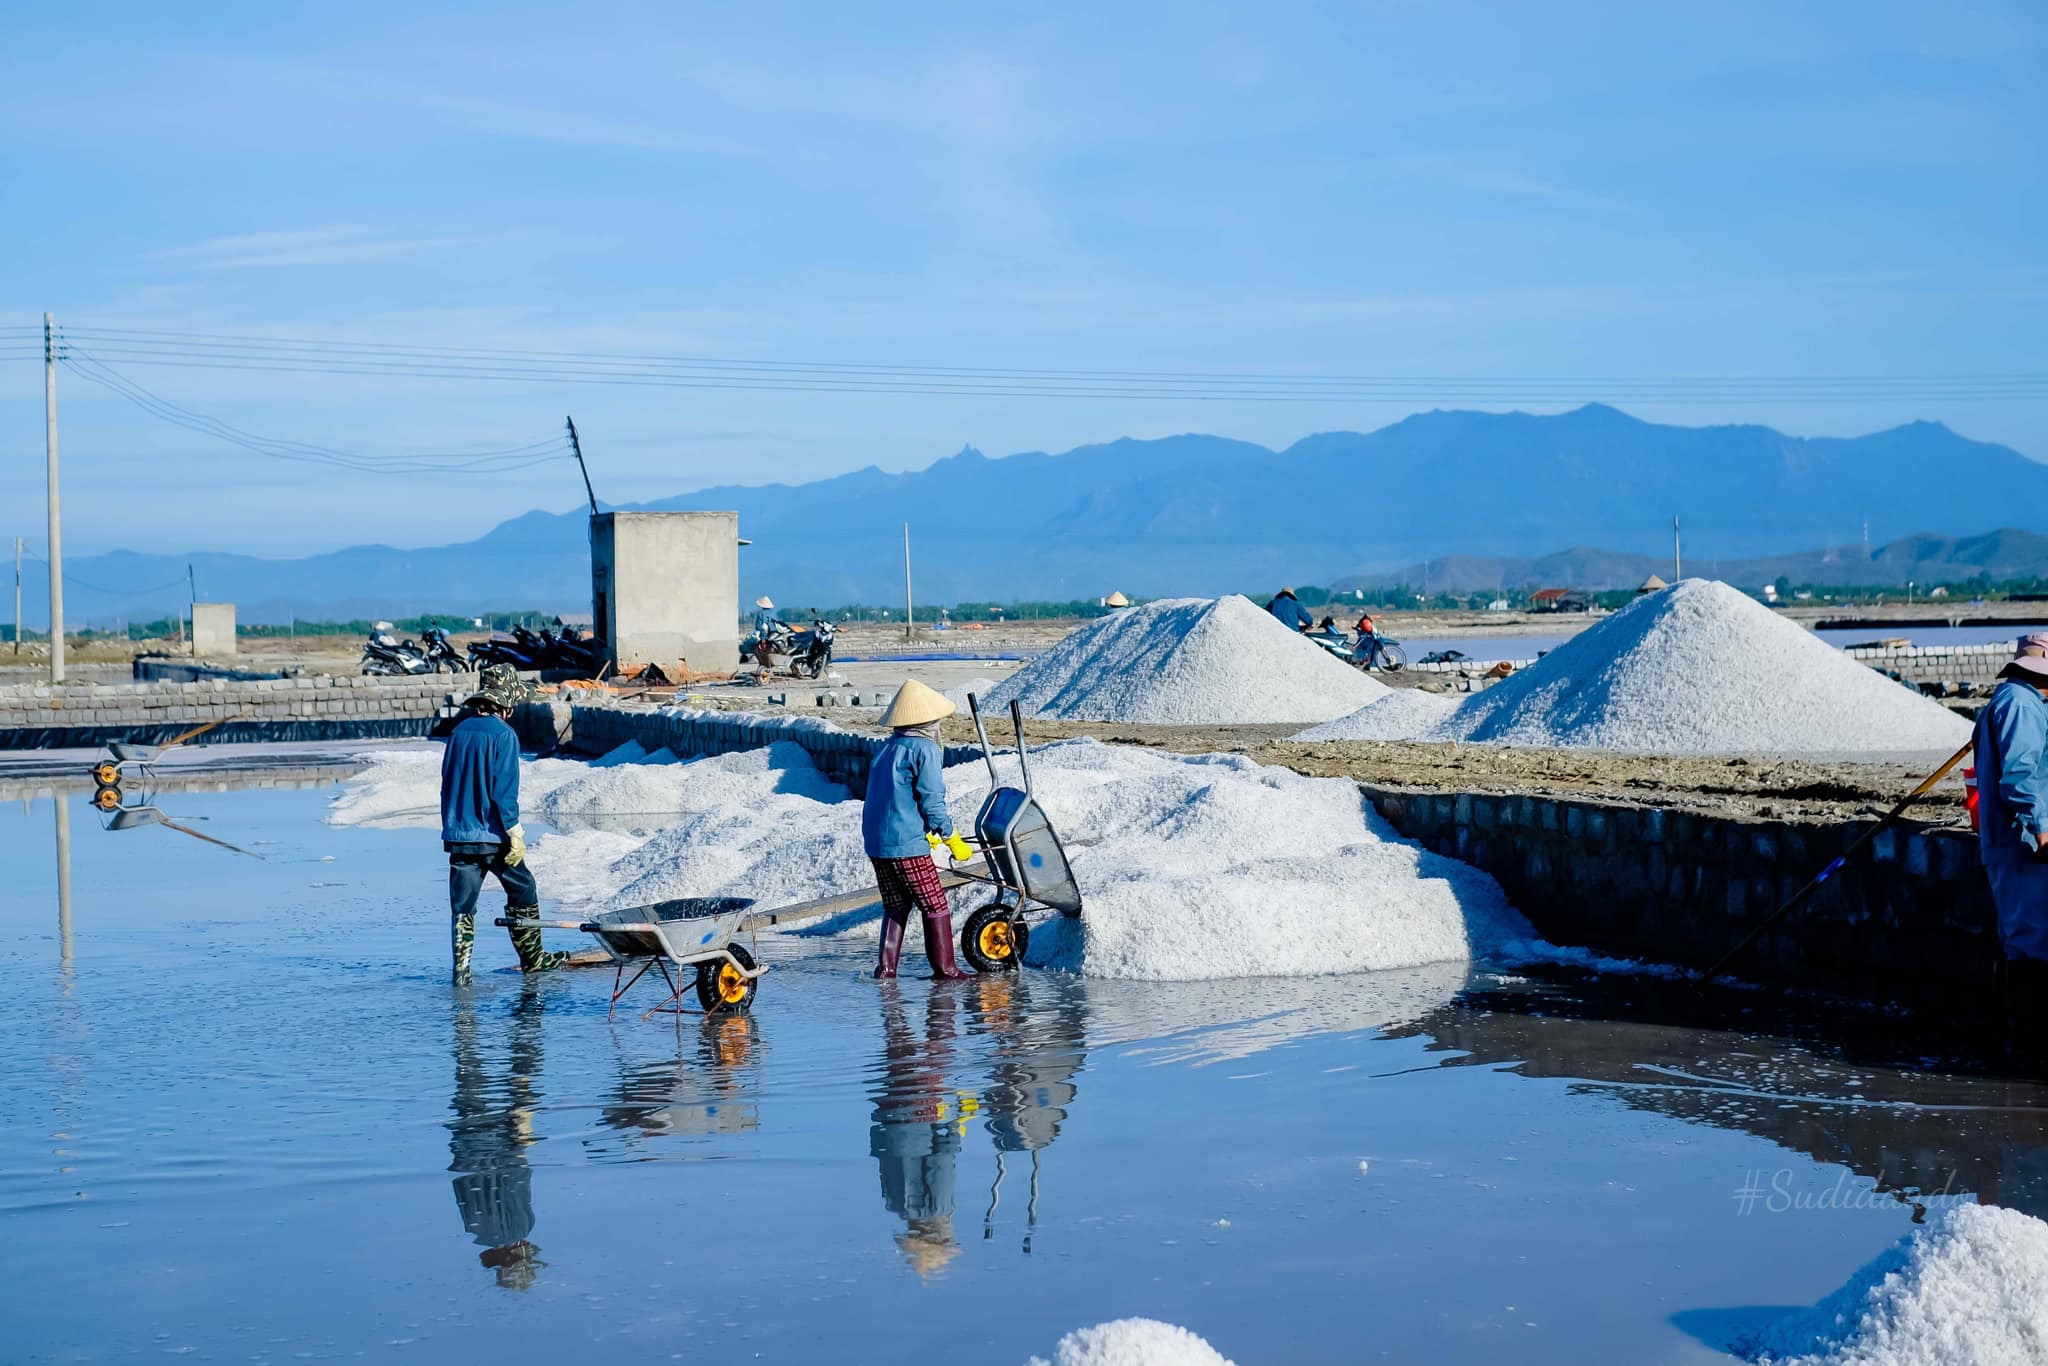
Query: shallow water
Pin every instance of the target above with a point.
(246, 1117)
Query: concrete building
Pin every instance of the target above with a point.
(213, 629)
(665, 589)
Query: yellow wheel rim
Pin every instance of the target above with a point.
(732, 986)
(107, 773)
(996, 940)
(108, 798)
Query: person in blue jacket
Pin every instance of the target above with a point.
(904, 822)
(2012, 820)
(1288, 611)
(480, 821)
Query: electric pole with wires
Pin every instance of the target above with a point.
(56, 536)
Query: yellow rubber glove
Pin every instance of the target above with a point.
(957, 847)
(515, 847)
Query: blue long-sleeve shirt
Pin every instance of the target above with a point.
(1290, 613)
(479, 782)
(2012, 769)
(906, 799)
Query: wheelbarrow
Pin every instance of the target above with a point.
(688, 932)
(1023, 860)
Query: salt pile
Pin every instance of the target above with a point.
(1206, 867)
(1698, 668)
(1133, 1342)
(1189, 662)
(1973, 1287)
(1402, 714)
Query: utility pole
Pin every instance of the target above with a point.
(576, 445)
(17, 595)
(192, 590)
(1677, 560)
(909, 616)
(56, 531)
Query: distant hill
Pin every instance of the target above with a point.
(1204, 514)
(1923, 559)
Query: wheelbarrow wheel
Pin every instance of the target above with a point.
(106, 773)
(107, 798)
(722, 987)
(994, 939)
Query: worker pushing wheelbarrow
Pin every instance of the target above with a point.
(905, 822)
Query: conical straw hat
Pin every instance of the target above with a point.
(915, 704)
(765, 601)
(1116, 600)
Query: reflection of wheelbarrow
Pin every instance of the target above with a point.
(689, 932)
(1025, 862)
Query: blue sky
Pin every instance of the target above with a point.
(1404, 188)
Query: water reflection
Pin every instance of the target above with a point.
(1040, 1045)
(707, 1091)
(494, 1105)
(918, 1123)
(1915, 1134)
(63, 879)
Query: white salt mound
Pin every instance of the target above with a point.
(1206, 867)
(1133, 1342)
(1402, 714)
(632, 752)
(1191, 662)
(1971, 1287)
(1700, 668)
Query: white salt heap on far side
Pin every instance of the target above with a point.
(1702, 668)
(1133, 1342)
(1188, 662)
(1972, 1287)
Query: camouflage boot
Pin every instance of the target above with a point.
(463, 938)
(532, 957)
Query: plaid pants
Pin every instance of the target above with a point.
(908, 883)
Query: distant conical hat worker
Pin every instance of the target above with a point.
(1116, 600)
(916, 705)
(764, 601)
(904, 823)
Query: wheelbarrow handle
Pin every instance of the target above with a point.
(511, 924)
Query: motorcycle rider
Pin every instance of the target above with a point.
(1288, 611)
(1368, 637)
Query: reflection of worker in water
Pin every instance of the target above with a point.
(2012, 812)
(918, 1125)
(488, 1138)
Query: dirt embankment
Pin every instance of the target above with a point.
(1781, 788)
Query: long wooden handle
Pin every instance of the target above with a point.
(1835, 866)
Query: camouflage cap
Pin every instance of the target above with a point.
(500, 685)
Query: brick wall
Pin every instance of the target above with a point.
(316, 707)
(1909, 920)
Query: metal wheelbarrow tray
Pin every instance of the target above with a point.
(688, 932)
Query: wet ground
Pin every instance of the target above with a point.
(247, 1117)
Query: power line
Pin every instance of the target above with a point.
(71, 580)
(90, 367)
(313, 356)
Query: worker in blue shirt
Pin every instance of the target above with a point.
(1288, 611)
(2012, 827)
(904, 822)
(480, 821)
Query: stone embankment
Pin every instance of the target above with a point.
(316, 707)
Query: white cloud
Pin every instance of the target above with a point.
(336, 244)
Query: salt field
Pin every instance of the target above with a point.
(1466, 1155)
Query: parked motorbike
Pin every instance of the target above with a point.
(385, 655)
(570, 652)
(441, 652)
(806, 654)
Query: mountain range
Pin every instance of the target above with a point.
(1199, 514)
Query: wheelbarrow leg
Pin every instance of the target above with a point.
(618, 991)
